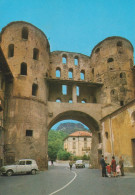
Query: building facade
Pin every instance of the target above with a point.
(44, 87)
(78, 143)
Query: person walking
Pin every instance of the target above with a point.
(103, 165)
(113, 165)
(121, 163)
(70, 165)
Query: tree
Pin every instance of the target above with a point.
(63, 155)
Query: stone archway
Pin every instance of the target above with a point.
(90, 122)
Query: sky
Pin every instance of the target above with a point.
(74, 25)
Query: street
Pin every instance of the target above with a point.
(60, 180)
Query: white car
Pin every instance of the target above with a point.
(22, 166)
(79, 164)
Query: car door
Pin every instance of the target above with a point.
(20, 168)
(28, 165)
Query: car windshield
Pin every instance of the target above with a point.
(79, 161)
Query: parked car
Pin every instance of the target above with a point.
(22, 166)
(79, 164)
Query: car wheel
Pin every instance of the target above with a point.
(33, 172)
(9, 173)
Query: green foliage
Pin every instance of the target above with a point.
(84, 157)
(55, 143)
(63, 155)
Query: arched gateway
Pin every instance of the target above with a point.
(47, 87)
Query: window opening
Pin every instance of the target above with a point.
(58, 100)
(97, 50)
(73, 138)
(133, 116)
(76, 61)
(58, 72)
(25, 33)
(35, 54)
(11, 50)
(110, 60)
(70, 73)
(64, 59)
(70, 101)
(29, 132)
(121, 103)
(23, 69)
(77, 90)
(92, 70)
(28, 162)
(99, 137)
(34, 89)
(82, 75)
(64, 89)
(119, 43)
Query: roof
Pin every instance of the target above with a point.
(81, 134)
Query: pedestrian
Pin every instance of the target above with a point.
(51, 162)
(70, 165)
(108, 168)
(118, 170)
(113, 165)
(121, 163)
(103, 165)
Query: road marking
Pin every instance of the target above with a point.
(66, 184)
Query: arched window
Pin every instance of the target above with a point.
(25, 33)
(34, 89)
(119, 44)
(70, 73)
(58, 72)
(11, 50)
(64, 59)
(76, 61)
(35, 54)
(110, 60)
(97, 50)
(58, 100)
(82, 75)
(23, 69)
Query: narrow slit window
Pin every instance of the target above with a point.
(58, 72)
(77, 90)
(121, 103)
(70, 73)
(11, 50)
(76, 61)
(35, 54)
(23, 69)
(64, 89)
(119, 44)
(25, 33)
(34, 89)
(82, 75)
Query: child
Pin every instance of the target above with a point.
(108, 168)
(118, 170)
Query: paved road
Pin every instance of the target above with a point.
(76, 182)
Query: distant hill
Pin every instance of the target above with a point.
(71, 127)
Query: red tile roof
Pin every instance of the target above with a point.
(81, 134)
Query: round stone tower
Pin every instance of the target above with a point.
(112, 62)
(27, 51)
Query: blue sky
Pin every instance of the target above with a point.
(74, 25)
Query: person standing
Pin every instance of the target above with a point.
(121, 163)
(103, 165)
(70, 165)
(113, 165)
